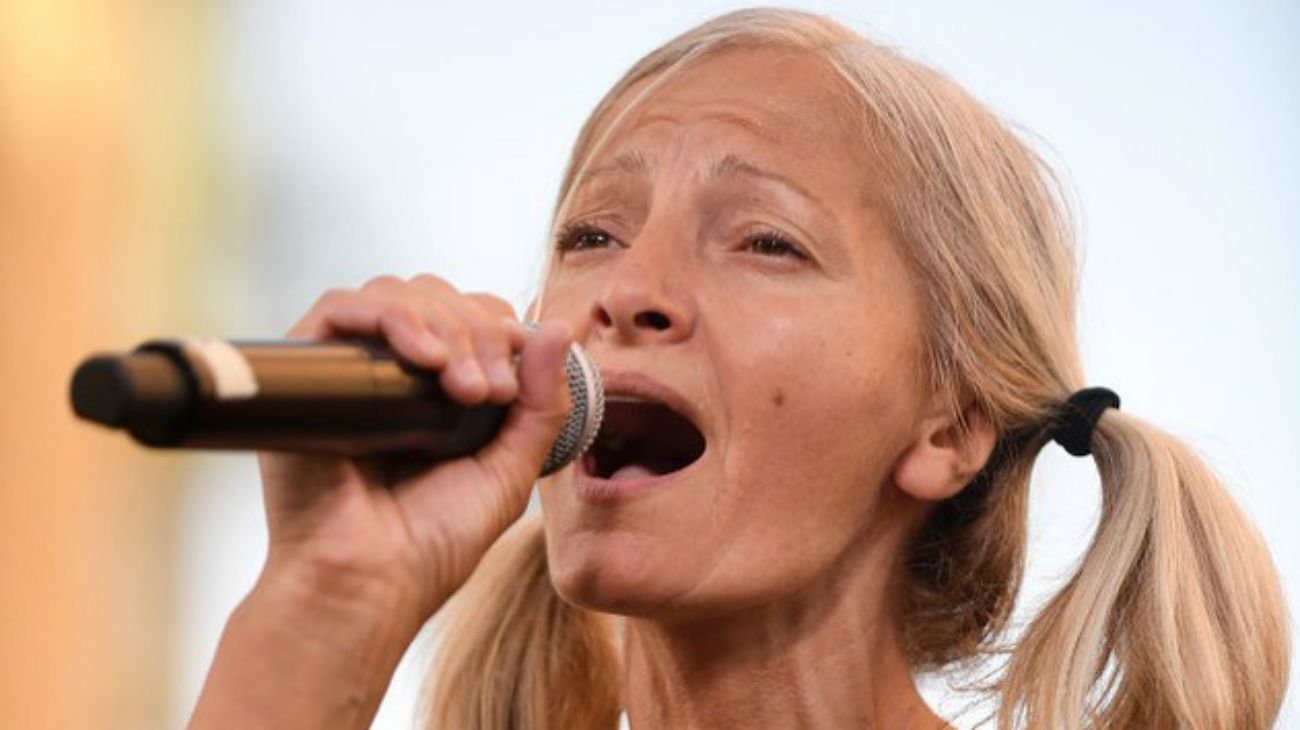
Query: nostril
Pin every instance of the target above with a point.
(653, 320)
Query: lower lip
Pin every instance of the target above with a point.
(598, 491)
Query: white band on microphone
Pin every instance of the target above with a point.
(232, 376)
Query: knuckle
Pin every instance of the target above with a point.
(493, 304)
(490, 340)
(399, 312)
(383, 282)
(432, 283)
(333, 299)
(456, 331)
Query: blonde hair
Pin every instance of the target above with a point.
(1174, 616)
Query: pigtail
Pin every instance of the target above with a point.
(514, 656)
(1175, 616)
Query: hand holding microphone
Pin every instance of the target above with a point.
(429, 522)
(458, 407)
(363, 550)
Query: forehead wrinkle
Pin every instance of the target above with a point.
(731, 165)
(630, 162)
(634, 163)
(700, 113)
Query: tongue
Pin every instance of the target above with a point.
(632, 471)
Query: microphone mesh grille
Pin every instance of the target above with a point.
(588, 398)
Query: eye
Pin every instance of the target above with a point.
(772, 243)
(581, 236)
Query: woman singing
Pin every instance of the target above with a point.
(832, 298)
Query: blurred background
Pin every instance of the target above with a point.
(209, 167)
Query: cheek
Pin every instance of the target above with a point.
(569, 294)
(799, 388)
(817, 428)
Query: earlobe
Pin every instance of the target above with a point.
(946, 454)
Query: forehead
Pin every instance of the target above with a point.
(785, 102)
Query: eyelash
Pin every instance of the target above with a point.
(782, 243)
(570, 238)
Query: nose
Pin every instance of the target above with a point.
(644, 300)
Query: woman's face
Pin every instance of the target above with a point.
(722, 254)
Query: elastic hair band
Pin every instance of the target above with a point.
(1075, 421)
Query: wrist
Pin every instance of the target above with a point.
(300, 651)
(345, 611)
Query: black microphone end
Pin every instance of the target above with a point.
(102, 390)
(144, 393)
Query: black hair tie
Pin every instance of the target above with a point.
(1074, 423)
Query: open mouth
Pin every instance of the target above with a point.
(640, 438)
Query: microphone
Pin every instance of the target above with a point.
(344, 398)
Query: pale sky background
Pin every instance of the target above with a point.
(400, 137)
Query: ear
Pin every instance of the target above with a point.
(946, 453)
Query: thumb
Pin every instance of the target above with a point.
(516, 456)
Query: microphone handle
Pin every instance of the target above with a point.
(349, 398)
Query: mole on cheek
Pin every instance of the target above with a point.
(778, 397)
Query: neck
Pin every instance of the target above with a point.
(828, 657)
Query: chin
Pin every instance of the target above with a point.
(605, 576)
(603, 572)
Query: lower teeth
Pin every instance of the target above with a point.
(632, 471)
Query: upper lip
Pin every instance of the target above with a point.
(640, 385)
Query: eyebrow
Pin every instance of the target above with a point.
(732, 165)
(633, 162)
